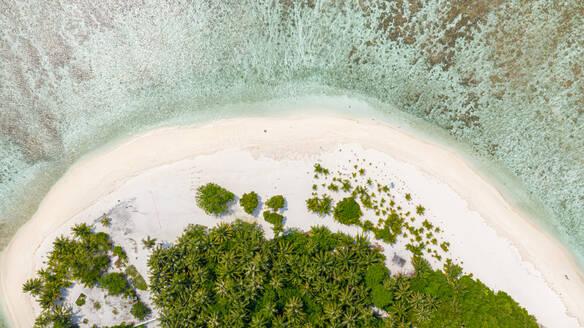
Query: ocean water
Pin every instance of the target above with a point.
(502, 80)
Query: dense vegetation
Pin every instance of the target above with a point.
(231, 276)
(249, 201)
(213, 199)
(84, 259)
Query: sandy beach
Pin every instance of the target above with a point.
(149, 181)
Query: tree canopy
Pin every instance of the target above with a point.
(213, 199)
(249, 201)
(276, 202)
(348, 211)
(232, 276)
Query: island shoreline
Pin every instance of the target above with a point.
(63, 202)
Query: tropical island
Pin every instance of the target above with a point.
(230, 275)
(340, 235)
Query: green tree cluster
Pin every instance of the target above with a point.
(59, 316)
(232, 276)
(276, 202)
(319, 205)
(82, 259)
(213, 199)
(249, 201)
(115, 283)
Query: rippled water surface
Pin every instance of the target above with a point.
(504, 78)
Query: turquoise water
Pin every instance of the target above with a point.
(504, 79)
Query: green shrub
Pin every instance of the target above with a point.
(445, 245)
(81, 299)
(115, 283)
(119, 252)
(213, 199)
(137, 278)
(105, 221)
(333, 187)
(249, 202)
(381, 297)
(375, 274)
(346, 185)
(319, 169)
(276, 202)
(121, 325)
(277, 221)
(348, 211)
(149, 242)
(320, 206)
(273, 218)
(385, 234)
(140, 311)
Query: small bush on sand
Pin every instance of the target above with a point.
(348, 211)
(137, 278)
(140, 311)
(213, 199)
(276, 202)
(115, 283)
(249, 202)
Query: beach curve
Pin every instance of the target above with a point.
(77, 190)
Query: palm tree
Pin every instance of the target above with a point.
(105, 221)
(269, 310)
(279, 322)
(222, 232)
(332, 312)
(402, 291)
(213, 319)
(62, 245)
(257, 321)
(62, 316)
(293, 310)
(81, 230)
(149, 242)
(345, 258)
(399, 309)
(33, 286)
(345, 296)
(323, 260)
(350, 318)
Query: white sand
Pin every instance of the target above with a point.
(154, 176)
